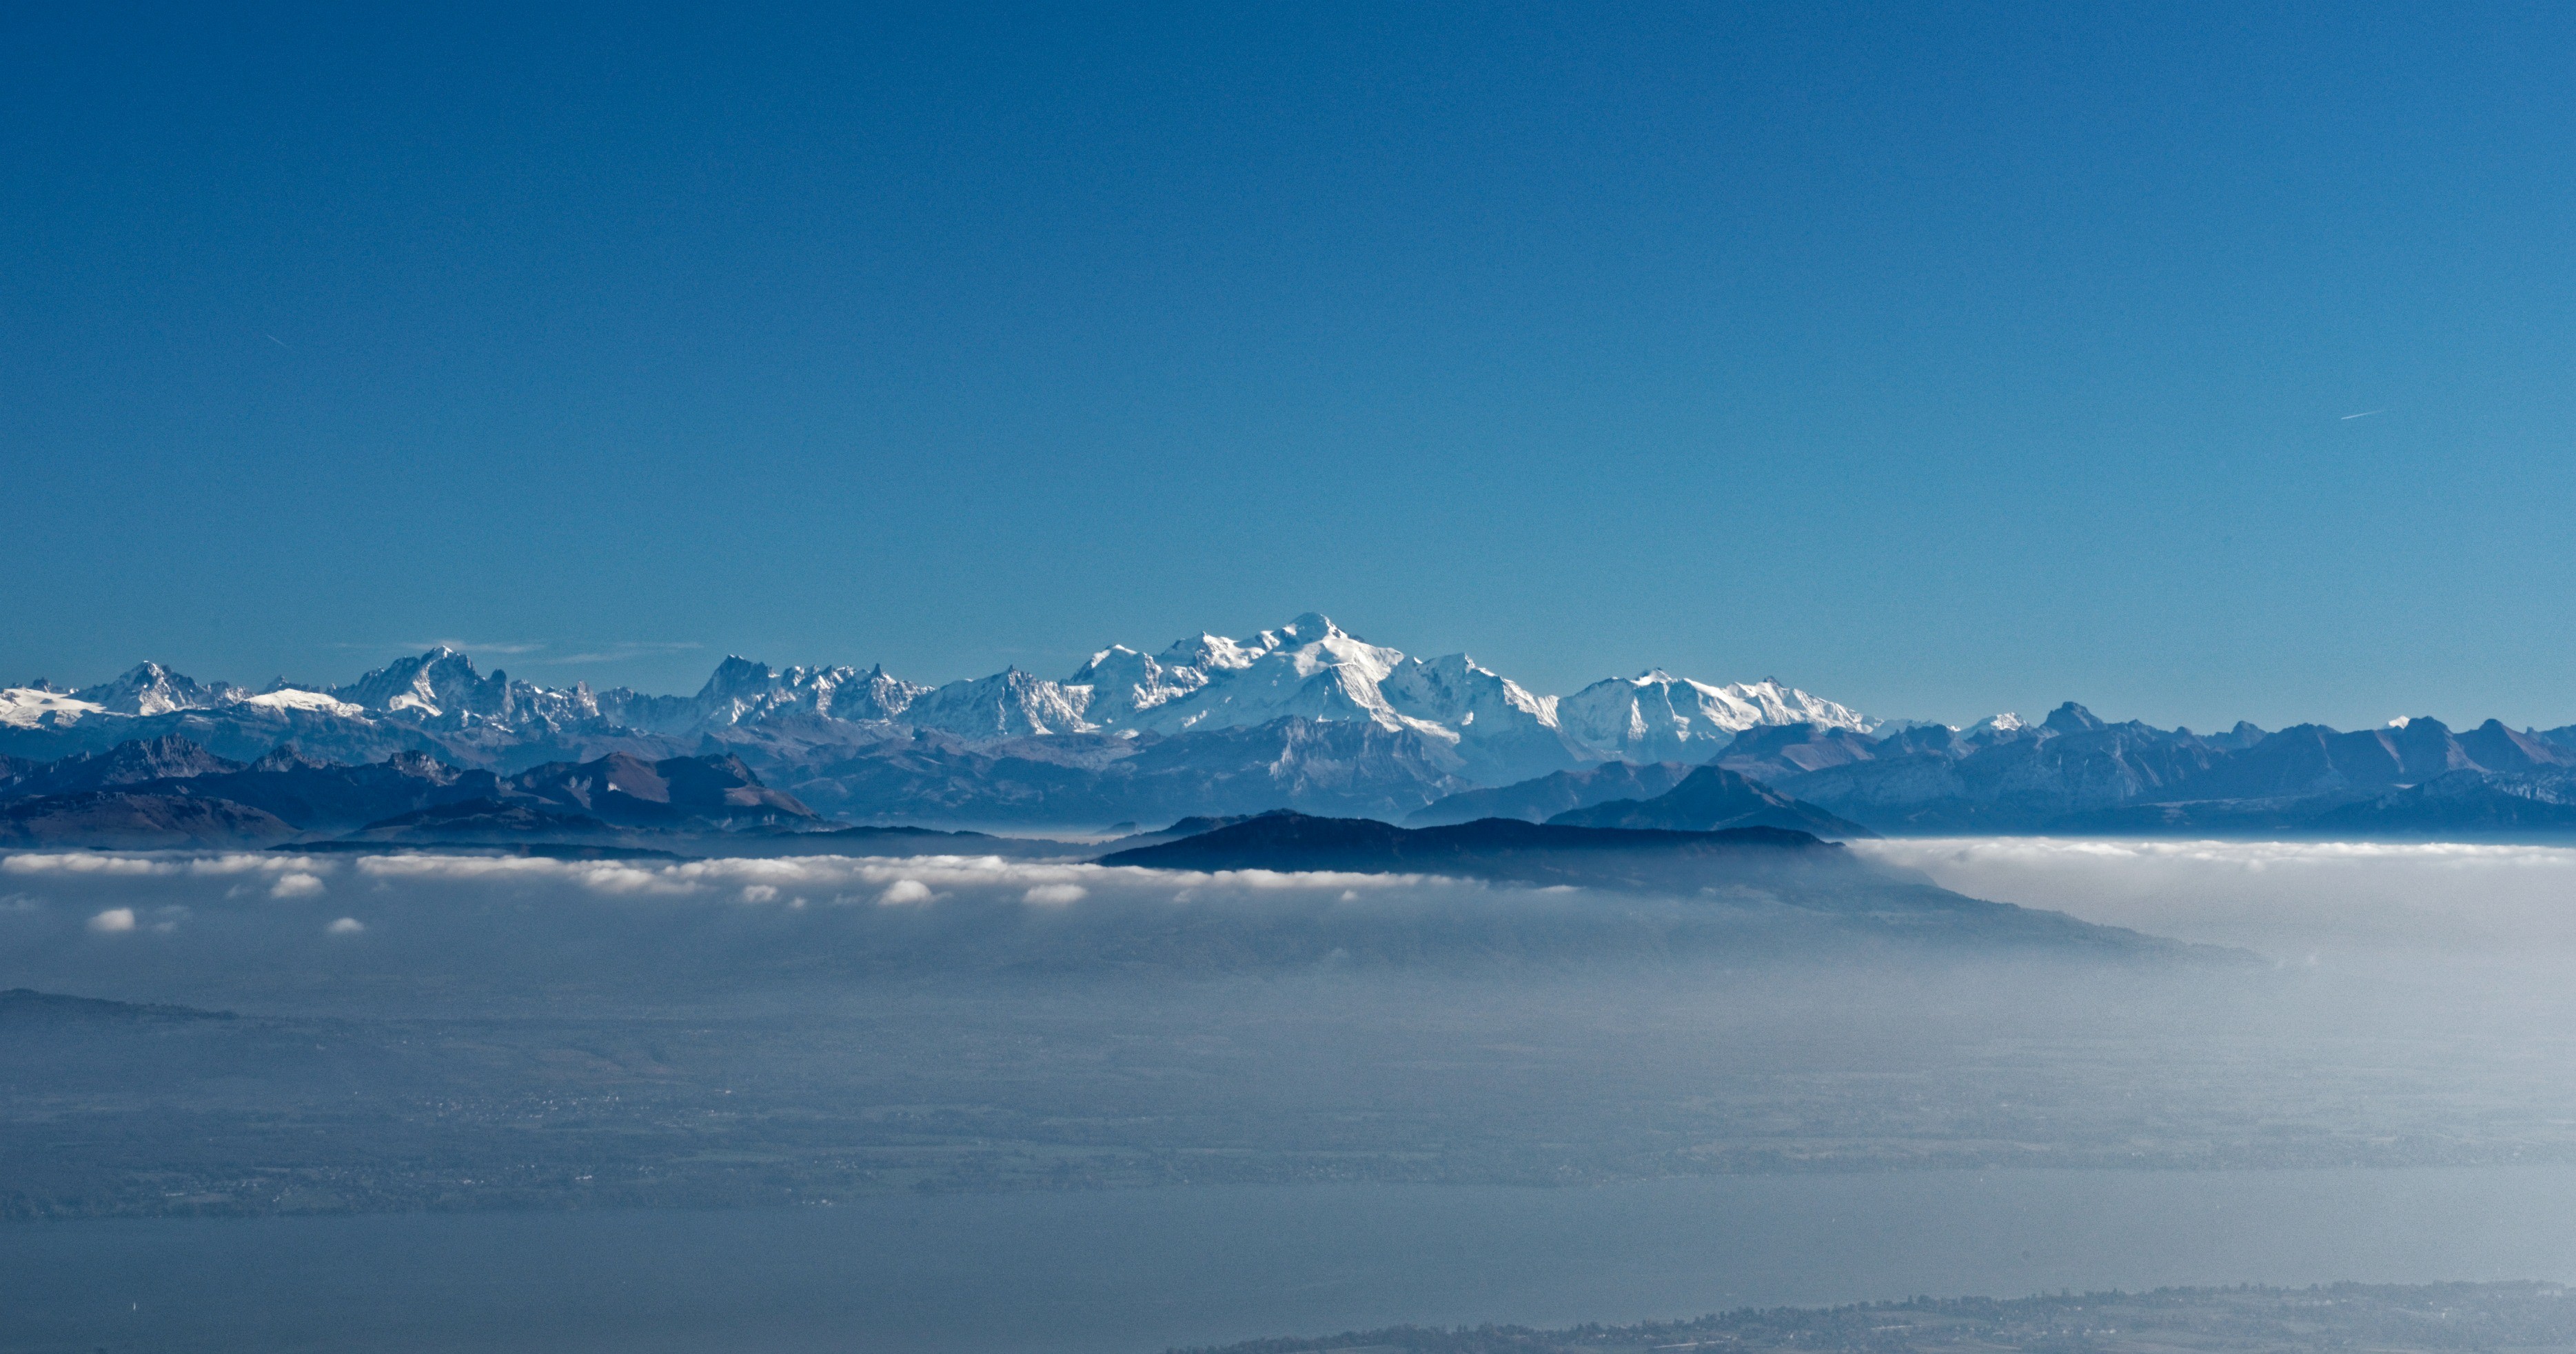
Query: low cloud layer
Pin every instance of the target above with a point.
(487, 928)
(505, 926)
(1528, 1032)
(2288, 899)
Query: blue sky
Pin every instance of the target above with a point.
(1940, 363)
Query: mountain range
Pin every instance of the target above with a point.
(1304, 717)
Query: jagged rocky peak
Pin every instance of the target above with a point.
(1309, 668)
(1009, 704)
(439, 682)
(285, 757)
(2074, 718)
(441, 687)
(743, 690)
(1125, 683)
(1310, 627)
(738, 677)
(2003, 728)
(2244, 735)
(1656, 716)
(1213, 653)
(168, 757)
(1502, 731)
(2496, 748)
(151, 689)
(1208, 653)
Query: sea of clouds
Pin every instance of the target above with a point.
(170, 926)
(2401, 983)
(2286, 899)
(268, 928)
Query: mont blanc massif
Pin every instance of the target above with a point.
(1305, 717)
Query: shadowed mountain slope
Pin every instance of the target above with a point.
(625, 789)
(1758, 871)
(2464, 804)
(1489, 848)
(1536, 801)
(135, 822)
(1714, 799)
(1774, 751)
(488, 822)
(166, 758)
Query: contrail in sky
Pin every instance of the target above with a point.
(2363, 414)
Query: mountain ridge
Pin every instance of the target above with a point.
(1713, 799)
(1758, 870)
(1303, 716)
(1475, 722)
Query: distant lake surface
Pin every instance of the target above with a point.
(1144, 1269)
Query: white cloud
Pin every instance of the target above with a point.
(481, 917)
(346, 926)
(261, 863)
(625, 651)
(82, 863)
(616, 879)
(422, 865)
(113, 920)
(409, 647)
(852, 873)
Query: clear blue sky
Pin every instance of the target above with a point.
(1940, 363)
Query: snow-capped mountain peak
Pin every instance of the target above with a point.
(435, 683)
(742, 689)
(1309, 668)
(1124, 684)
(1449, 713)
(1655, 716)
(151, 689)
(291, 698)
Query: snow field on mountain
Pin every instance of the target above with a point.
(1471, 721)
(26, 707)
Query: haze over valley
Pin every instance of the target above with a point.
(657, 693)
